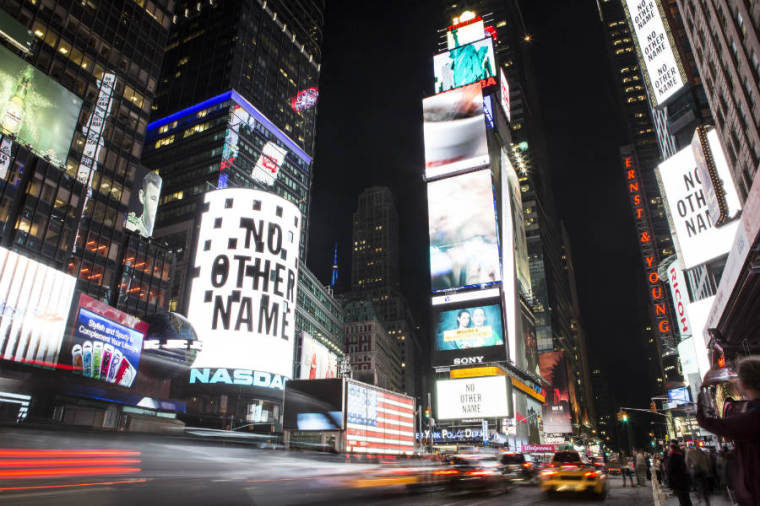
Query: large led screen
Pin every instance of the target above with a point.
(36, 109)
(378, 421)
(556, 410)
(313, 405)
(661, 64)
(472, 327)
(317, 362)
(466, 32)
(698, 240)
(105, 344)
(464, 250)
(463, 65)
(472, 398)
(34, 307)
(455, 131)
(143, 202)
(243, 295)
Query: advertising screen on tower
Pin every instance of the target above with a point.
(243, 295)
(465, 32)
(663, 71)
(698, 240)
(556, 410)
(471, 327)
(463, 65)
(484, 397)
(455, 131)
(378, 421)
(464, 250)
(317, 362)
(34, 307)
(36, 109)
(313, 405)
(143, 202)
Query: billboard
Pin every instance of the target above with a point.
(472, 398)
(378, 421)
(722, 198)
(472, 327)
(504, 94)
(679, 293)
(556, 409)
(654, 43)
(143, 204)
(105, 344)
(465, 32)
(34, 308)
(93, 130)
(313, 405)
(36, 109)
(317, 362)
(463, 65)
(698, 240)
(678, 396)
(454, 131)
(243, 295)
(464, 250)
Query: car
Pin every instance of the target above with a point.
(568, 473)
(474, 473)
(518, 469)
(599, 464)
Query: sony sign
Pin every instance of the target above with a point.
(468, 360)
(243, 295)
(243, 377)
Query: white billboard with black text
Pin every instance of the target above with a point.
(472, 398)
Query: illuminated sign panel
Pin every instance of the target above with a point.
(680, 295)
(317, 362)
(722, 198)
(465, 32)
(698, 240)
(143, 203)
(472, 327)
(34, 307)
(105, 344)
(36, 109)
(464, 249)
(93, 130)
(467, 64)
(378, 421)
(654, 43)
(454, 131)
(242, 300)
(504, 94)
(472, 398)
(304, 99)
(659, 310)
(556, 410)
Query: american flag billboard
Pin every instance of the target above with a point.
(378, 421)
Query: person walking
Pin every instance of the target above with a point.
(698, 464)
(625, 470)
(641, 468)
(657, 465)
(678, 475)
(743, 428)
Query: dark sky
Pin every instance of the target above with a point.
(377, 67)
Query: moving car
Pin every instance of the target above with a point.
(599, 464)
(518, 469)
(568, 473)
(474, 473)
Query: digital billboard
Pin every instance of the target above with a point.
(317, 362)
(243, 293)
(556, 410)
(679, 293)
(678, 396)
(698, 240)
(378, 421)
(454, 131)
(463, 65)
(464, 250)
(472, 398)
(504, 94)
(34, 307)
(105, 344)
(143, 203)
(36, 109)
(471, 327)
(465, 32)
(654, 43)
(313, 405)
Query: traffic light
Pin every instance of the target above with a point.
(625, 417)
(622, 416)
(427, 413)
(653, 407)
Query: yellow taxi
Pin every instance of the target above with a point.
(568, 473)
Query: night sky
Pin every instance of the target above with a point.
(377, 67)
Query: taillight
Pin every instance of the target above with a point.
(527, 465)
(591, 474)
(548, 473)
(480, 472)
(445, 472)
(568, 466)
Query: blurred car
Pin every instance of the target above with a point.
(599, 464)
(614, 468)
(568, 473)
(474, 473)
(518, 469)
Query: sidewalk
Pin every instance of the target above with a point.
(664, 497)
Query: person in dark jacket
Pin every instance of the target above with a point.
(678, 475)
(744, 430)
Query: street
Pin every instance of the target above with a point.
(54, 468)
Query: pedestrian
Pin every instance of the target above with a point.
(625, 470)
(698, 464)
(664, 466)
(743, 428)
(657, 465)
(641, 468)
(678, 475)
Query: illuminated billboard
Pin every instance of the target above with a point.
(679, 293)
(34, 308)
(463, 33)
(36, 109)
(663, 71)
(697, 239)
(378, 421)
(243, 295)
(313, 405)
(464, 250)
(504, 94)
(720, 192)
(143, 203)
(105, 344)
(471, 327)
(463, 65)
(454, 131)
(472, 398)
(317, 362)
(556, 409)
